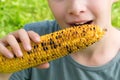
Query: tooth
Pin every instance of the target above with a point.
(79, 23)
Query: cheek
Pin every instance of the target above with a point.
(59, 13)
(101, 8)
(57, 9)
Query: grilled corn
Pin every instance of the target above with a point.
(53, 46)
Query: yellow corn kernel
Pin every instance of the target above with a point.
(53, 46)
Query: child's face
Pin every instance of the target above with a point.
(76, 12)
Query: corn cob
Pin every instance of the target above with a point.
(53, 46)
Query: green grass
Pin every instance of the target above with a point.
(116, 14)
(15, 13)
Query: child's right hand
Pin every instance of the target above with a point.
(12, 40)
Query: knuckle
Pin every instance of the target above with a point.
(30, 31)
(21, 31)
(33, 33)
(1, 43)
(9, 36)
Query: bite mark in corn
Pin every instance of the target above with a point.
(53, 46)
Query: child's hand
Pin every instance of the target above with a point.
(12, 40)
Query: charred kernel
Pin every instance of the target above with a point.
(42, 59)
(67, 47)
(86, 45)
(82, 34)
(47, 58)
(93, 28)
(42, 44)
(35, 46)
(78, 47)
(3, 59)
(83, 31)
(45, 48)
(50, 39)
(59, 45)
(55, 46)
(52, 47)
(76, 32)
(52, 34)
(51, 42)
(34, 58)
(53, 55)
(56, 37)
(29, 52)
(57, 33)
(69, 51)
(59, 36)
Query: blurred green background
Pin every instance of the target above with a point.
(14, 14)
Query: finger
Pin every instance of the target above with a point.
(34, 36)
(43, 66)
(5, 51)
(3, 41)
(24, 38)
(14, 45)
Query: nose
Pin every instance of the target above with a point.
(76, 7)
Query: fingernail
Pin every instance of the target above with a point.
(28, 47)
(10, 55)
(20, 53)
(37, 39)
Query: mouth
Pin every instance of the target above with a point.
(81, 23)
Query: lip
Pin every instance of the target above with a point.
(77, 23)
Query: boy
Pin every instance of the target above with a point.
(99, 61)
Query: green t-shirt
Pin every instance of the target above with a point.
(66, 68)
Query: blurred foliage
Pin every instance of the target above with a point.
(116, 14)
(14, 14)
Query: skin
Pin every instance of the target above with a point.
(67, 13)
(79, 11)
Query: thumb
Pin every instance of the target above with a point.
(43, 66)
